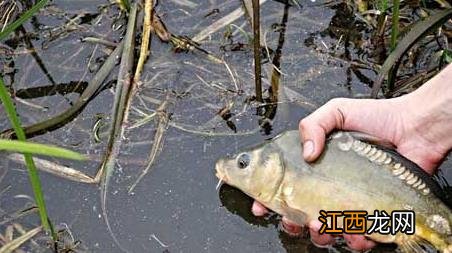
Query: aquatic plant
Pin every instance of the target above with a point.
(123, 4)
(417, 32)
(382, 5)
(32, 171)
(24, 17)
(395, 23)
(21, 145)
(447, 56)
(15, 122)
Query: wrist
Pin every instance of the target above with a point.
(429, 112)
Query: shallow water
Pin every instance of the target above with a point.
(176, 208)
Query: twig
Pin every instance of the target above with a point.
(158, 139)
(145, 40)
(99, 41)
(14, 244)
(55, 169)
(257, 50)
(158, 240)
(226, 20)
(22, 231)
(232, 76)
(248, 4)
(192, 130)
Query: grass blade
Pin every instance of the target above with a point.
(122, 92)
(16, 243)
(28, 14)
(32, 171)
(395, 24)
(91, 90)
(417, 31)
(220, 23)
(55, 169)
(39, 149)
(124, 5)
(157, 143)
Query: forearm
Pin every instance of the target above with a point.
(438, 88)
(431, 107)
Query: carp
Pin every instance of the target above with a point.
(351, 174)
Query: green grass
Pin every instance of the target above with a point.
(21, 145)
(447, 56)
(32, 171)
(382, 5)
(24, 17)
(395, 24)
(124, 4)
(38, 149)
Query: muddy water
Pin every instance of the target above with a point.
(176, 207)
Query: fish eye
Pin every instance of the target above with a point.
(243, 160)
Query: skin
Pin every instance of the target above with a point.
(411, 123)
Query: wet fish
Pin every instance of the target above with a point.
(350, 175)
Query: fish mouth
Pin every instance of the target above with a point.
(221, 172)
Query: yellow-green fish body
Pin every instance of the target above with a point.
(349, 175)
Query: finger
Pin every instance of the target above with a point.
(258, 209)
(315, 127)
(290, 227)
(364, 115)
(313, 140)
(319, 240)
(359, 242)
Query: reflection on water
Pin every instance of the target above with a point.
(239, 204)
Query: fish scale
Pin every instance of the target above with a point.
(380, 157)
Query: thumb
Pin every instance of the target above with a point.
(313, 137)
(316, 126)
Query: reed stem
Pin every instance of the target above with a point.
(257, 51)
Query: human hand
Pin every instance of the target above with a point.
(411, 123)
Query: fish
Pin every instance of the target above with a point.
(350, 174)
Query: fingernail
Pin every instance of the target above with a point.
(308, 149)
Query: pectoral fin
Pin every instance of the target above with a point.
(297, 216)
